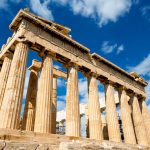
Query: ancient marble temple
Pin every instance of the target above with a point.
(37, 129)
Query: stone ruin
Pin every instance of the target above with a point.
(38, 127)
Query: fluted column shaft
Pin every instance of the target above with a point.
(11, 105)
(44, 97)
(4, 75)
(54, 106)
(138, 122)
(29, 110)
(146, 118)
(128, 130)
(95, 122)
(111, 114)
(72, 104)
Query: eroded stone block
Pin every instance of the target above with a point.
(20, 146)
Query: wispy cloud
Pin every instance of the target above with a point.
(143, 67)
(146, 12)
(61, 105)
(57, 66)
(26, 83)
(103, 11)
(120, 49)
(42, 8)
(83, 90)
(148, 92)
(108, 47)
(136, 2)
(4, 4)
(61, 82)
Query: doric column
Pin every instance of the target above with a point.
(44, 96)
(4, 75)
(138, 122)
(95, 123)
(72, 104)
(111, 114)
(29, 109)
(11, 106)
(54, 106)
(146, 118)
(128, 130)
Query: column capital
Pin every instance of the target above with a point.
(8, 54)
(108, 82)
(91, 74)
(55, 76)
(1, 62)
(71, 64)
(22, 39)
(122, 88)
(44, 52)
(134, 94)
(36, 65)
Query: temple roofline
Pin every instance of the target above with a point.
(130, 75)
(23, 14)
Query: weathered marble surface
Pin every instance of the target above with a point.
(25, 140)
(73, 145)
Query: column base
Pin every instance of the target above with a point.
(31, 140)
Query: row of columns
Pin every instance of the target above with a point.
(135, 127)
(136, 121)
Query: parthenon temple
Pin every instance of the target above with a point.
(37, 128)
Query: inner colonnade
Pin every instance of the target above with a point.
(52, 42)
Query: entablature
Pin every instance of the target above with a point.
(65, 52)
(45, 26)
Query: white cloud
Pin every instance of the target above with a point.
(146, 12)
(102, 99)
(148, 91)
(4, 4)
(61, 97)
(26, 83)
(83, 90)
(108, 47)
(61, 105)
(143, 67)
(103, 11)
(61, 82)
(22, 109)
(148, 96)
(41, 8)
(120, 49)
(57, 66)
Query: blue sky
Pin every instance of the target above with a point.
(118, 30)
